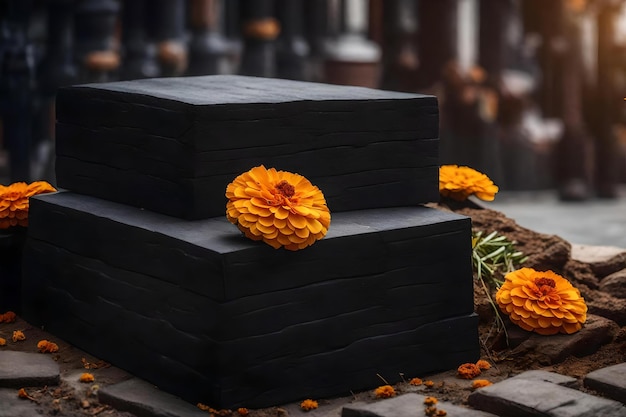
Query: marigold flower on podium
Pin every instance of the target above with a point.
(14, 201)
(280, 208)
(542, 302)
(460, 182)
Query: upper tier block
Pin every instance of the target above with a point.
(171, 145)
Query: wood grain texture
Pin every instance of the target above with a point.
(191, 136)
(202, 312)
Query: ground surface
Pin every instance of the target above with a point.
(524, 352)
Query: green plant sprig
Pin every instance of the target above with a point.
(493, 256)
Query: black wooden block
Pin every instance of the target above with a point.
(171, 145)
(201, 311)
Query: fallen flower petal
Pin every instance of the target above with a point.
(8, 317)
(18, 335)
(480, 383)
(3, 342)
(468, 371)
(429, 384)
(243, 411)
(46, 346)
(415, 381)
(483, 365)
(430, 401)
(86, 377)
(308, 405)
(385, 391)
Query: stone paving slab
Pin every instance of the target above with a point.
(406, 405)
(145, 400)
(528, 398)
(609, 381)
(20, 369)
(545, 376)
(13, 406)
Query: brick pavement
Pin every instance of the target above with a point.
(533, 393)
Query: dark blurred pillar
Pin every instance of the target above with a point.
(259, 29)
(609, 101)
(351, 58)
(316, 32)
(167, 20)
(17, 78)
(400, 52)
(437, 38)
(208, 49)
(139, 53)
(95, 23)
(292, 49)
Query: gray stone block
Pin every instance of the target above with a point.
(171, 145)
(21, 369)
(201, 311)
(406, 405)
(146, 400)
(553, 377)
(609, 381)
(517, 397)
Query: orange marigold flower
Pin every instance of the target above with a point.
(3, 342)
(430, 401)
(468, 371)
(483, 364)
(14, 201)
(308, 405)
(429, 384)
(18, 335)
(242, 411)
(542, 302)
(385, 391)
(86, 377)
(479, 383)
(8, 317)
(277, 207)
(46, 346)
(460, 182)
(415, 381)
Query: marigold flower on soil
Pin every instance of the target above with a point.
(429, 384)
(14, 201)
(8, 317)
(460, 182)
(483, 365)
(542, 302)
(468, 371)
(3, 342)
(430, 401)
(277, 207)
(385, 391)
(415, 381)
(480, 383)
(18, 335)
(46, 346)
(308, 405)
(242, 411)
(86, 377)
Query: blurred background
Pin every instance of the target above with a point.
(531, 92)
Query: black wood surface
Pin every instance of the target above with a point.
(145, 142)
(201, 311)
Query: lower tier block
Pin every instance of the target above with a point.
(204, 313)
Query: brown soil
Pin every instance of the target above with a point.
(544, 252)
